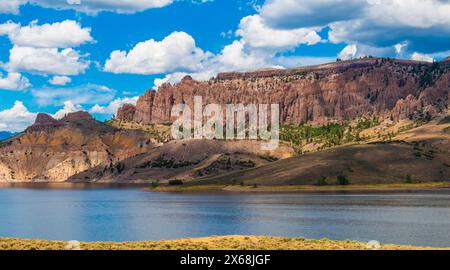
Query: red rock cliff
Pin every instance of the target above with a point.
(337, 91)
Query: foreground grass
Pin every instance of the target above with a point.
(207, 243)
(302, 188)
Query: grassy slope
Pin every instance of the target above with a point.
(420, 155)
(207, 243)
(363, 164)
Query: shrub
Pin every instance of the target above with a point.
(268, 158)
(155, 183)
(322, 181)
(342, 180)
(175, 182)
(409, 179)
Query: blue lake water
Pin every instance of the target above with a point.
(131, 214)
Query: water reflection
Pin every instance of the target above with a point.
(130, 214)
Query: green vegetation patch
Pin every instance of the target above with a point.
(176, 182)
(329, 135)
(161, 162)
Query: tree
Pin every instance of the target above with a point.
(322, 181)
(342, 180)
(409, 179)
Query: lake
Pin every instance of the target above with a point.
(131, 214)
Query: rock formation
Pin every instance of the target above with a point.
(80, 149)
(126, 112)
(53, 150)
(332, 92)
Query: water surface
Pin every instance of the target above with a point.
(131, 214)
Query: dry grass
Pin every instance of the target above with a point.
(207, 243)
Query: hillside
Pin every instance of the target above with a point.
(53, 150)
(364, 152)
(186, 160)
(418, 155)
(78, 148)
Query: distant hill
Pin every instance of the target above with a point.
(5, 135)
(53, 150)
(418, 155)
(78, 148)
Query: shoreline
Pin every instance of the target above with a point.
(399, 187)
(231, 242)
(204, 188)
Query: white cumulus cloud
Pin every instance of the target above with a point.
(47, 48)
(234, 57)
(290, 14)
(11, 6)
(112, 107)
(176, 52)
(422, 57)
(47, 61)
(60, 80)
(349, 52)
(353, 51)
(241, 56)
(423, 24)
(258, 35)
(87, 6)
(69, 107)
(17, 118)
(14, 81)
(65, 34)
(177, 55)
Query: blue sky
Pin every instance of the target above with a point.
(62, 56)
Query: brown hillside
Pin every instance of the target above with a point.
(419, 155)
(53, 150)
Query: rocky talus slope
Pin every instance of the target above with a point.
(372, 87)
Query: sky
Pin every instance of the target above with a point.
(61, 56)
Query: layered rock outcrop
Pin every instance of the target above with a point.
(126, 112)
(331, 92)
(54, 150)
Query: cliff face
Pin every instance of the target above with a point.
(338, 91)
(126, 112)
(53, 150)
